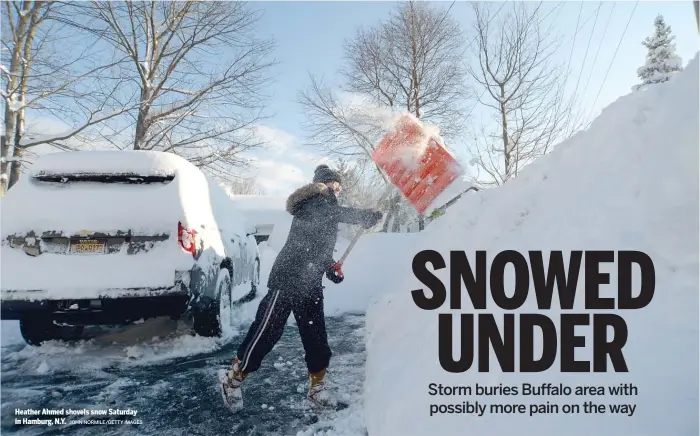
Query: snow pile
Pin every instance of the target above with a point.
(455, 189)
(628, 183)
(364, 281)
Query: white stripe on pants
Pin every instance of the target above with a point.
(261, 329)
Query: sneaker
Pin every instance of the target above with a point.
(318, 395)
(230, 382)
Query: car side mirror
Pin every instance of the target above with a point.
(251, 230)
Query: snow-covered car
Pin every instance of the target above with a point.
(113, 237)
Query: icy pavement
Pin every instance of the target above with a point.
(168, 376)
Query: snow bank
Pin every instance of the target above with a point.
(371, 270)
(629, 182)
(456, 188)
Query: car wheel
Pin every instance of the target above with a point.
(36, 330)
(209, 322)
(254, 283)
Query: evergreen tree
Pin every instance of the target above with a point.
(662, 60)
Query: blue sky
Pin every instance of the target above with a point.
(310, 36)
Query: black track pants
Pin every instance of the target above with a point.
(271, 317)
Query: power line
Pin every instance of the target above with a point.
(585, 56)
(583, 24)
(595, 59)
(613, 59)
(571, 55)
(554, 9)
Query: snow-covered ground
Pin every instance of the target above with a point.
(630, 182)
(125, 365)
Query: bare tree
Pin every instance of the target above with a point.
(197, 74)
(412, 62)
(45, 79)
(344, 128)
(361, 188)
(522, 89)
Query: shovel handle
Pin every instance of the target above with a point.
(384, 196)
(350, 247)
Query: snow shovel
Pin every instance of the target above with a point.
(416, 163)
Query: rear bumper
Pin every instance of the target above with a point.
(108, 306)
(121, 306)
(11, 296)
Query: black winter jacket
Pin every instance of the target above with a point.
(308, 252)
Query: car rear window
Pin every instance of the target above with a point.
(123, 178)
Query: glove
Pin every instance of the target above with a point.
(335, 273)
(372, 218)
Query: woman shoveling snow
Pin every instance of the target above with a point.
(295, 286)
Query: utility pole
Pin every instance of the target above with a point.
(696, 5)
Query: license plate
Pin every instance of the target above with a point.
(87, 247)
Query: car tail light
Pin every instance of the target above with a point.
(187, 239)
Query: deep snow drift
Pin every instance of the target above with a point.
(630, 182)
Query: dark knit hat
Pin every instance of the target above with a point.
(323, 174)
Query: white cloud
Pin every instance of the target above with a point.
(277, 177)
(282, 165)
(308, 158)
(276, 140)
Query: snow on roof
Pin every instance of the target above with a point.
(141, 162)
